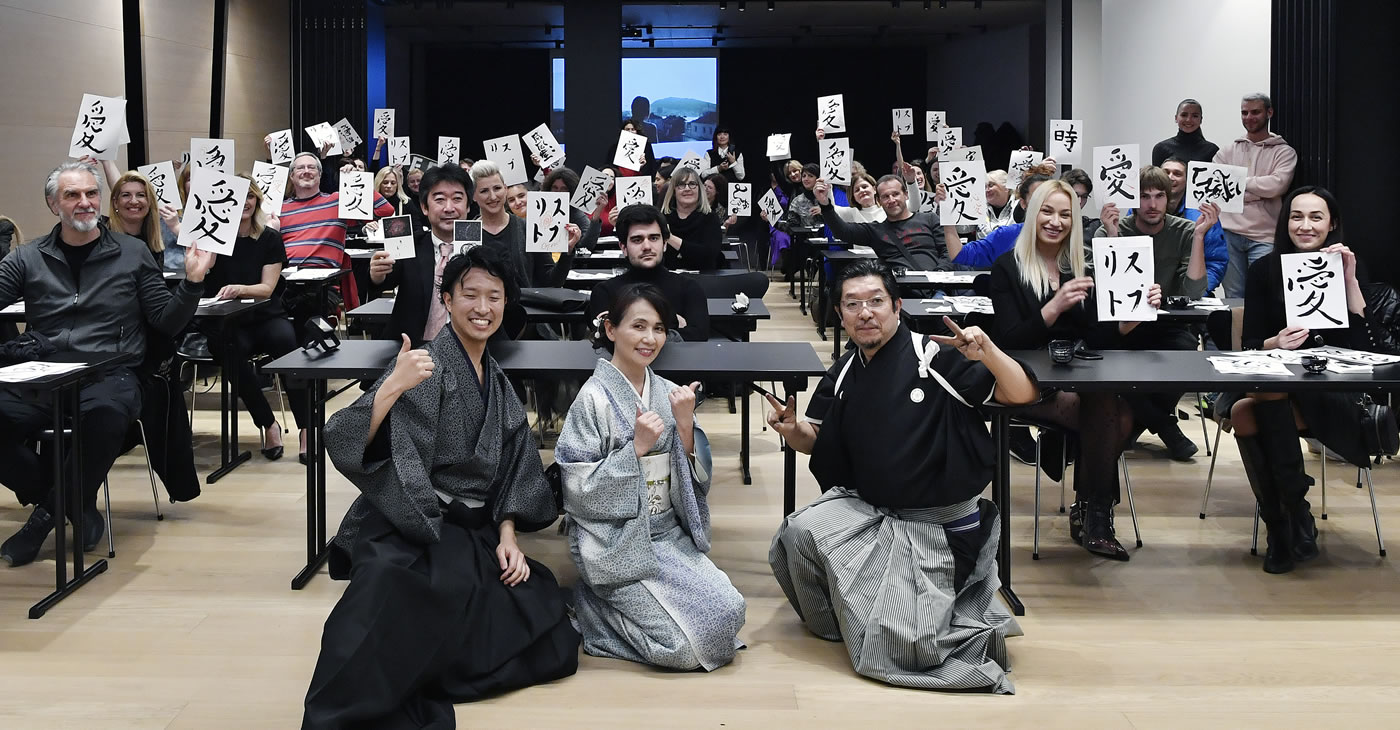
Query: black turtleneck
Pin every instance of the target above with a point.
(683, 292)
(1193, 147)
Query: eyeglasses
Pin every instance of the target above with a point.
(687, 185)
(853, 306)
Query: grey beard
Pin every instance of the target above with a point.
(80, 226)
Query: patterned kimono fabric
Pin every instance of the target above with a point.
(426, 621)
(647, 592)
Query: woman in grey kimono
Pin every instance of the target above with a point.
(636, 470)
(442, 605)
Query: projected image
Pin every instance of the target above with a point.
(674, 101)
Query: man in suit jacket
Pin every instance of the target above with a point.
(445, 193)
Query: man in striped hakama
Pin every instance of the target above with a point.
(897, 558)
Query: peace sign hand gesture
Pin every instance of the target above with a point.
(973, 343)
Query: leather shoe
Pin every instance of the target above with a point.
(1304, 533)
(1179, 447)
(24, 546)
(93, 528)
(1099, 538)
(1076, 521)
(1279, 557)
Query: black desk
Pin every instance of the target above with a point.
(790, 362)
(916, 310)
(1146, 371)
(608, 261)
(227, 313)
(63, 392)
(376, 313)
(318, 278)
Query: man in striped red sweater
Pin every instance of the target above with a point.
(311, 227)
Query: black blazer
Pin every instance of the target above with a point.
(1019, 324)
(414, 280)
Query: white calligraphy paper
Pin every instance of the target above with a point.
(506, 153)
(546, 216)
(634, 190)
(691, 160)
(321, 134)
(383, 123)
(1248, 366)
(1021, 161)
(272, 181)
(1066, 141)
(98, 131)
(934, 122)
(740, 199)
(831, 113)
(282, 148)
(771, 209)
(214, 210)
(162, 178)
(398, 150)
(967, 154)
(542, 144)
(1314, 290)
(356, 196)
(949, 139)
(779, 146)
(398, 237)
(1115, 175)
(1220, 184)
(449, 150)
(1123, 272)
(631, 148)
(214, 154)
(903, 120)
(836, 160)
(591, 184)
(966, 200)
(349, 138)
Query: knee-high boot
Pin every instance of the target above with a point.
(1279, 556)
(1278, 433)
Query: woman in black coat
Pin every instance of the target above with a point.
(1042, 290)
(1267, 425)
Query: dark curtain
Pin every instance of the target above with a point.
(478, 94)
(328, 81)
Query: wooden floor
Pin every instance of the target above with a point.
(194, 625)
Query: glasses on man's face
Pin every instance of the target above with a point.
(687, 185)
(853, 306)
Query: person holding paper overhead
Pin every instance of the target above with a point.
(1042, 290)
(648, 160)
(905, 239)
(504, 231)
(695, 238)
(87, 288)
(564, 180)
(1270, 162)
(1179, 267)
(254, 271)
(1266, 425)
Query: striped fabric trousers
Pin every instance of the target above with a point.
(883, 580)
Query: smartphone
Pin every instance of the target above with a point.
(761, 391)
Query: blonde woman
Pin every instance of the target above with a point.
(254, 271)
(133, 209)
(695, 232)
(1042, 290)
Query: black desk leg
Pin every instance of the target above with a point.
(1001, 494)
(817, 292)
(229, 456)
(62, 586)
(744, 434)
(789, 480)
(316, 550)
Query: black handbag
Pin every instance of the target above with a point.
(554, 300)
(1379, 427)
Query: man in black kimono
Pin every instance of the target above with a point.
(642, 232)
(902, 454)
(442, 606)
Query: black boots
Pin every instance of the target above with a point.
(1099, 537)
(1273, 461)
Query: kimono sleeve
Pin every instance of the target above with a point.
(825, 393)
(602, 480)
(522, 493)
(972, 380)
(392, 471)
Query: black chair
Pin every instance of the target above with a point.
(753, 284)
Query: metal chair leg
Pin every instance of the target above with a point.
(150, 471)
(106, 497)
(1132, 509)
(1375, 514)
(1204, 437)
(1035, 544)
(1210, 475)
(1254, 542)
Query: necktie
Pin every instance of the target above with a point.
(437, 314)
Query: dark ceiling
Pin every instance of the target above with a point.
(702, 24)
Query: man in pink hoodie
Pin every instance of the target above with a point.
(1250, 235)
